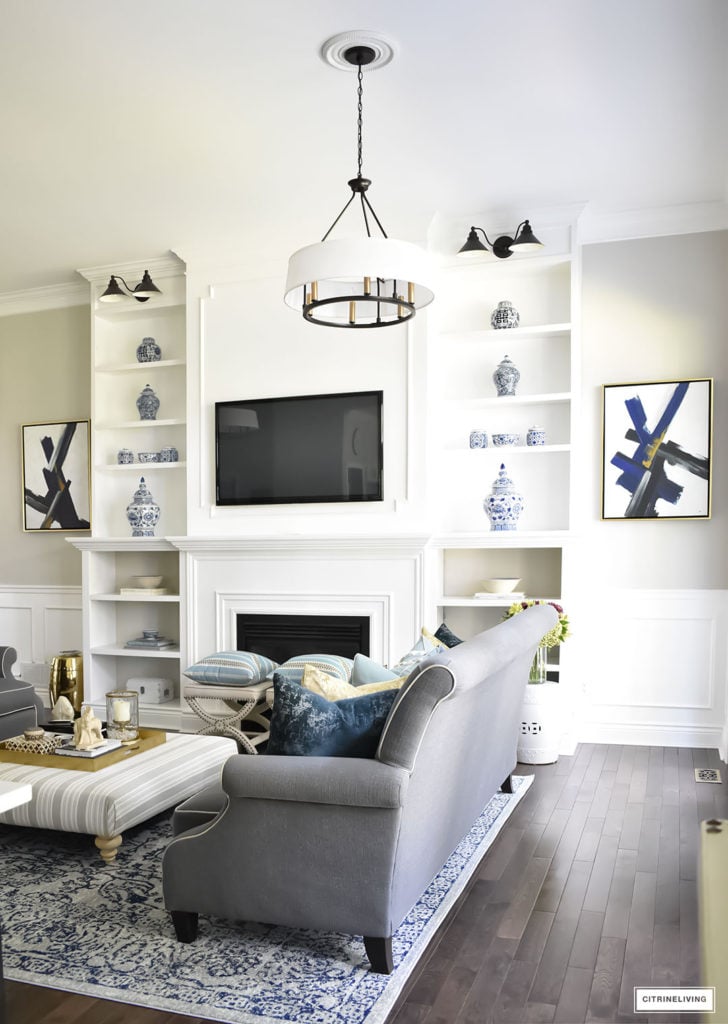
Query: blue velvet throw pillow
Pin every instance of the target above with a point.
(446, 636)
(304, 724)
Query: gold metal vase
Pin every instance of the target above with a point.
(67, 679)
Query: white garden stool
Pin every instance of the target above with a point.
(226, 710)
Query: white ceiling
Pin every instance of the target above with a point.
(128, 129)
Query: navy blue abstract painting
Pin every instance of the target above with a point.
(656, 457)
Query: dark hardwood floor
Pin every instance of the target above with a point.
(589, 890)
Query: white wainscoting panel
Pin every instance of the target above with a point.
(39, 622)
(659, 671)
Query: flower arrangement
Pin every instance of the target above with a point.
(555, 636)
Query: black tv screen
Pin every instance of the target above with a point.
(275, 451)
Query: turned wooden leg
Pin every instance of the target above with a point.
(507, 784)
(107, 847)
(379, 951)
(185, 925)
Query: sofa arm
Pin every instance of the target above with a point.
(342, 781)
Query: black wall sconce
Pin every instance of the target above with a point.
(523, 240)
(141, 292)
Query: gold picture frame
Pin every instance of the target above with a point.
(56, 464)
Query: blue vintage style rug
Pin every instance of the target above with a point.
(75, 924)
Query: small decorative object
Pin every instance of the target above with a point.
(504, 315)
(149, 457)
(506, 440)
(147, 403)
(62, 711)
(504, 504)
(142, 512)
(505, 377)
(500, 584)
(34, 734)
(153, 690)
(87, 730)
(149, 351)
(66, 679)
(169, 454)
(56, 481)
(478, 439)
(535, 436)
(125, 456)
(147, 582)
(122, 716)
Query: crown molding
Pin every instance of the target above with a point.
(597, 226)
(35, 300)
(169, 265)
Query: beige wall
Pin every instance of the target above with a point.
(655, 309)
(44, 376)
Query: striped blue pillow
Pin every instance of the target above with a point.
(334, 665)
(231, 668)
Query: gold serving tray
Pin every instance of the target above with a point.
(148, 738)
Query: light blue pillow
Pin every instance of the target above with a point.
(332, 664)
(414, 656)
(304, 724)
(366, 670)
(231, 668)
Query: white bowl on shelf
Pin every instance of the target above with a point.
(147, 582)
(500, 585)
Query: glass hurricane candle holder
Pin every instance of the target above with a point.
(122, 716)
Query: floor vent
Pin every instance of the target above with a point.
(707, 775)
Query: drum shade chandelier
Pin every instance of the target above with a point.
(360, 281)
(142, 292)
(523, 240)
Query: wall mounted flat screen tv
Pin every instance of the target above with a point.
(307, 448)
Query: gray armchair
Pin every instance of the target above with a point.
(350, 844)
(20, 707)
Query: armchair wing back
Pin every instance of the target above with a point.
(20, 707)
(348, 844)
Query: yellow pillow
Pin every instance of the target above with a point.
(331, 688)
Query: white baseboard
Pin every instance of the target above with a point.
(640, 734)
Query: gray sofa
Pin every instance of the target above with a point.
(20, 707)
(350, 844)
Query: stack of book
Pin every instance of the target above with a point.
(150, 643)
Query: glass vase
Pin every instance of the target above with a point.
(538, 666)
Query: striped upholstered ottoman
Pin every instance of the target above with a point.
(105, 803)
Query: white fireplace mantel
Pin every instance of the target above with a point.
(377, 575)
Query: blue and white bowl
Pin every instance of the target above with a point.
(505, 440)
(149, 456)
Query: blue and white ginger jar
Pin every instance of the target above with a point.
(505, 377)
(149, 351)
(142, 512)
(504, 504)
(536, 435)
(478, 439)
(504, 315)
(147, 403)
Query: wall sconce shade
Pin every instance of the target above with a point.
(142, 292)
(523, 240)
(359, 282)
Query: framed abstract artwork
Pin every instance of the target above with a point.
(656, 440)
(56, 476)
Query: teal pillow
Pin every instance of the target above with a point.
(231, 668)
(414, 656)
(303, 724)
(332, 664)
(445, 635)
(366, 670)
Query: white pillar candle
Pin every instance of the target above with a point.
(122, 711)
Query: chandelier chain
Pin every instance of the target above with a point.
(360, 108)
